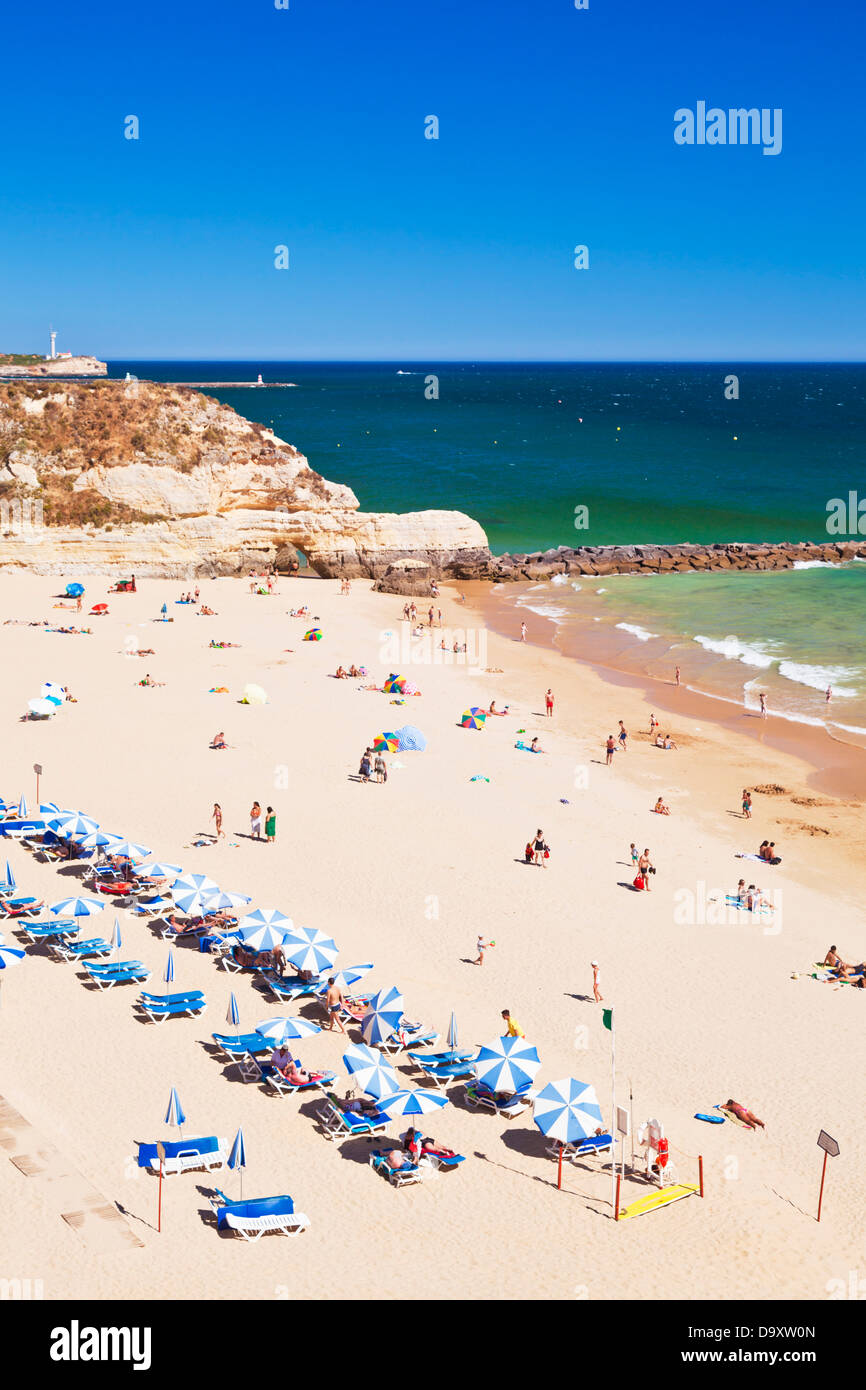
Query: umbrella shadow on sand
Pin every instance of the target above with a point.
(597, 1206)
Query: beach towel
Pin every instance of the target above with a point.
(526, 748)
(733, 901)
(777, 859)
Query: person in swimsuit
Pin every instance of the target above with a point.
(623, 736)
(548, 703)
(596, 983)
(610, 749)
(644, 864)
(219, 741)
(661, 809)
(538, 848)
(748, 1119)
(256, 821)
(217, 818)
(747, 803)
(270, 825)
(334, 1004)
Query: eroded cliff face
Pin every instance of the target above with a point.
(166, 481)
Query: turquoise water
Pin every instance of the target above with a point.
(655, 452)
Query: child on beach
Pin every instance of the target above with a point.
(654, 723)
(634, 854)
(596, 983)
(481, 946)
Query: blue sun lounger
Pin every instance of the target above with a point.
(183, 1155)
(397, 1177)
(241, 1045)
(447, 1071)
(479, 1096)
(435, 1059)
(118, 972)
(291, 987)
(253, 1218)
(582, 1148)
(159, 1007)
(80, 950)
(337, 1123)
(277, 1082)
(45, 931)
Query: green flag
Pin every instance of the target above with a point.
(607, 1018)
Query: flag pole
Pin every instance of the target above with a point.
(613, 1109)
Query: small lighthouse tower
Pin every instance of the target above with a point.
(53, 352)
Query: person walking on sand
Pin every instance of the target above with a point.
(596, 983)
(333, 1004)
(829, 693)
(763, 699)
(256, 821)
(610, 749)
(270, 826)
(217, 818)
(481, 946)
(523, 632)
(512, 1027)
(548, 704)
(381, 769)
(634, 854)
(654, 724)
(677, 676)
(644, 868)
(747, 803)
(623, 736)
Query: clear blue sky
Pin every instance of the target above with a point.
(305, 127)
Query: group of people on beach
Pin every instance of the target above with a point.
(257, 820)
(372, 764)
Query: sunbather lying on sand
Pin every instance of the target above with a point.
(743, 1115)
(220, 646)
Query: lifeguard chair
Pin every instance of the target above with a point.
(659, 1166)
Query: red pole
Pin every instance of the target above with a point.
(559, 1174)
(821, 1193)
(701, 1172)
(159, 1215)
(618, 1183)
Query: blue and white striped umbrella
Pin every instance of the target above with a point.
(567, 1110)
(174, 1114)
(411, 1103)
(266, 917)
(309, 949)
(116, 938)
(233, 1015)
(126, 849)
(156, 869)
(50, 808)
(169, 967)
(76, 824)
(238, 1156)
(95, 840)
(194, 883)
(193, 903)
(286, 1029)
(10, 877)
(22, 809)
(371, 1070)
(77, 907)
(9, 956)
(222, 901)
(262, 938)
(452, 1033)
(346, 977)
(506, 1064)
(383, 1015)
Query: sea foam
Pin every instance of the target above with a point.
(639, 632)
(734, 650)
(819, 677)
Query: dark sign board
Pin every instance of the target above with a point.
(827, 1144)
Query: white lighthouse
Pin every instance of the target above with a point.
(53, 352)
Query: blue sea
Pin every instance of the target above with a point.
(660, 452)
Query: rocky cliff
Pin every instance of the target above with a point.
(117, 476)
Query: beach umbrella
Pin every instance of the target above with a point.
(343, 979)
(174, 1114)
(411, 1103)
(164, 610)
(262, 938)
(506, 1064)
(99, 608)
(219, 902)
(287, 1029)
(309, 949)
(567, 1110)
(77, 907)
(410, 739)
(117, 939)
(168, 975)
(194, 903)
(254, 695)
(95, 840)
(192, 883)
(125, 849)
(22, 808)
(238, 1156)
(371, 1070)
(452, 1034)
(383, 1015)
(10, 877)
(410, 688)
(9, 956)
(74, 590)
(385, 743)
(158, 870)
(52, 690)
(266, 917)
(233, 1014)
(473, 718)
(314, 635)
(394, 684)
(42, 706)
(49, 809)
(74, 824)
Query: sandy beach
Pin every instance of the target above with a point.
(407, 875)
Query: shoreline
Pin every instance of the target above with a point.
(835, 767)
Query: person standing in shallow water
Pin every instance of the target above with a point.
(270, 825)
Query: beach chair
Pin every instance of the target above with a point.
(582, 1148)
(47, 931)
(184, 1155)
(445, 1072)
(148, 907)
(435, 1059)
(479, 1097)
(397, 1177)
(409, 1035)
(443, 1163)
(283, 1087)
(259, 1216)
(241, 1045)
(337, 1123)
(81, 950)
(21, 907)
(290, 987)
(120, 972)
(159, 1007)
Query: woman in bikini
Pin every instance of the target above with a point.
(217, 818)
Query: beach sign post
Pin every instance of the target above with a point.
(37, 768)
(160, 1151)
(831, 1150)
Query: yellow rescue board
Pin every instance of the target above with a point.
(657, 1199)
